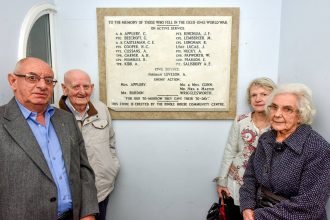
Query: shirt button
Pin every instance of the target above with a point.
(54, 158)
(53, 199)
(60, 177)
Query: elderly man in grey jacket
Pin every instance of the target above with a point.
(44, 168)
(96, 126)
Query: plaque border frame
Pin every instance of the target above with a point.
(205, 115)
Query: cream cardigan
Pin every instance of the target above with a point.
(242, 141)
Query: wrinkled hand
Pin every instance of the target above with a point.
(88, 217)
(221, 188)
(248, 214)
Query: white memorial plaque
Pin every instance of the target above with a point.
(168, 63)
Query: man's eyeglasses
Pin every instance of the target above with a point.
(34, 78)
(285, 110)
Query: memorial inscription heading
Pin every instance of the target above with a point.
(176, 65)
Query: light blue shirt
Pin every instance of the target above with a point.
(51, 149)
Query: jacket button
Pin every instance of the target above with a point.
(53, 199)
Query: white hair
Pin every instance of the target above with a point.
(304, 96)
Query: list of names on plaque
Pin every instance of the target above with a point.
(168, 63)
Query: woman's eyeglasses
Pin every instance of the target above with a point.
(285, 110)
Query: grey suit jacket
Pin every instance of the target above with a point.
(27, 188)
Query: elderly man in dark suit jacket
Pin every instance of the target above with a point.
(44, 169)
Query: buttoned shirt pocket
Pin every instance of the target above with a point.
(100, 124)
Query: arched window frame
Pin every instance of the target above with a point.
(31, 17)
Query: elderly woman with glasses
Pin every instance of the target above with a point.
(288, 176)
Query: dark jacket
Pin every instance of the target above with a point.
(301, 173)
(27, 188)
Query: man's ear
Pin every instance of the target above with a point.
(92, 87)
(12, 80)
(64, 89)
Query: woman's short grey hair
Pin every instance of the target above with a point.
(263, 82)
(305, 105)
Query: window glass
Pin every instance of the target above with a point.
(38, 44)
(36, 37)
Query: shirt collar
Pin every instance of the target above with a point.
(295, 141)
(27, 113)
(77, 114)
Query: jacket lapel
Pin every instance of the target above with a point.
(63, 136)
(21, 132)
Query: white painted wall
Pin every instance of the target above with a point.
(12, 14)
(304, 55)
(168, 165)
